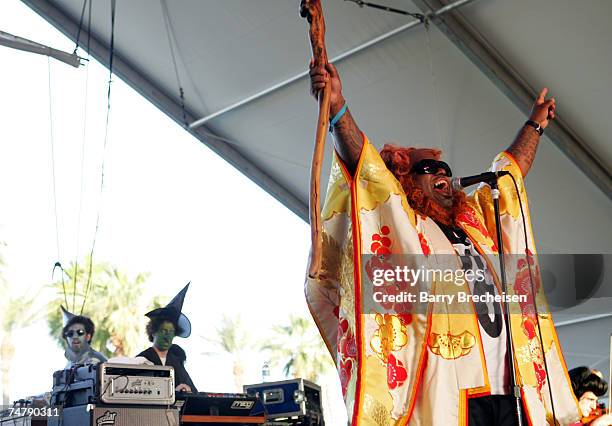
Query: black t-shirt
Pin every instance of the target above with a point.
(174, 358)
(490, 319)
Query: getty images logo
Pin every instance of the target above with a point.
(107, 419)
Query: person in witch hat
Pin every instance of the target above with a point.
(78, 331)
(164, 325)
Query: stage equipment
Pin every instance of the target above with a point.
(107, 415)
(514, 385)
(114, 384)
(297, 400)
(460, 183)
(31, 411)
(208, 407)
(22, 421)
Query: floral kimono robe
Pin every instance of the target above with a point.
(421, 368)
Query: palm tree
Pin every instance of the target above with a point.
(115, 302)
(232, 339)
(18, 311)
(299, 346)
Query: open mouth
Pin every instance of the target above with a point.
(441, 185)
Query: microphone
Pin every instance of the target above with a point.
(459, 183)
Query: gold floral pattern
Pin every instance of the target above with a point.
(376, 411)
(390, 336)
(528, 353)
(338, 193)
(346, 273)
(377, 183)
(450, 346)
(330, 264)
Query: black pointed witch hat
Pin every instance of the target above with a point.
(173, 311)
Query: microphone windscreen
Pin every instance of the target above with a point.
(456, 184)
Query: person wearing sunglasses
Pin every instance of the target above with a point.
(398, 365)
(78, 331)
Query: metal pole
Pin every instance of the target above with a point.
(335, 59)
(26, 45)
(580, 320)
(516, 390)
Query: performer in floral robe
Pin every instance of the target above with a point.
(439, 366)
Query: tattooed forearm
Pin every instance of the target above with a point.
(524, 147)
(348, 140)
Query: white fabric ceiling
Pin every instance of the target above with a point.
(470, 105)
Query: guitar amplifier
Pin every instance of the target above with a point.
(107, 415)
(113, 384)
(288, 398)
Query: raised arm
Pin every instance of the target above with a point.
(348, 139)
(525, 145)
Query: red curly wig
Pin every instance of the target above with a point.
(399, 160)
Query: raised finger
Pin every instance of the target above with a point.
(542, 95)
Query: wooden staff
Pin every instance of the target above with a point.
(610, 379)
(313, 12)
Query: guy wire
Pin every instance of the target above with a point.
(78, 233)
(108, 107)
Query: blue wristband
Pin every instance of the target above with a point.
(337, 117)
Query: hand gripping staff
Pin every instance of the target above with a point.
(313, 12)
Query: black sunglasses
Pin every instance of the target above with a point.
(431, 167)
(71, 333)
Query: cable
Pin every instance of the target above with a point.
(69, 379)
(533, 295)
(261, 151)
(166, 18)
(59, 265)
(108, 107)
(171, 37)
(53, 182)
(78, 232)
(80, 26)
(110, 382)
(362, 3)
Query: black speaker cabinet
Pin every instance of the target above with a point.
(105, 415)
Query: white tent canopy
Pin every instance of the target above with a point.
(464, 86)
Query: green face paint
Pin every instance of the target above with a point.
(162, 339)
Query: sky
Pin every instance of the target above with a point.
(169, 206)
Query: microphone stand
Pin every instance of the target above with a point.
(516, 390)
